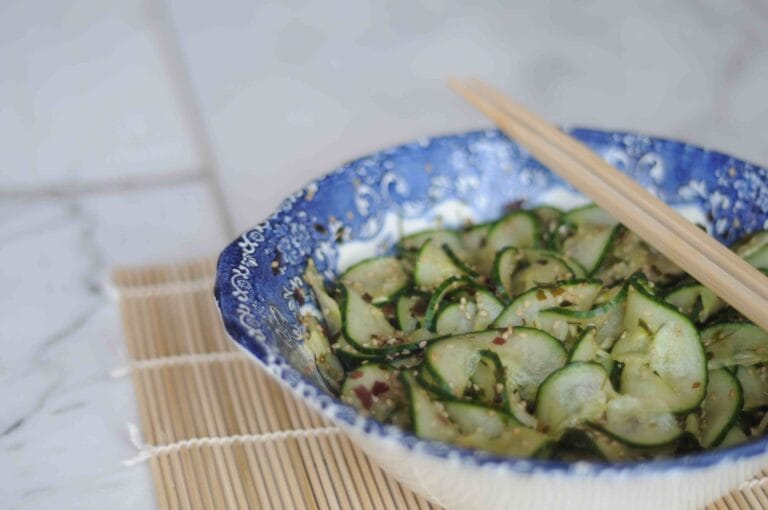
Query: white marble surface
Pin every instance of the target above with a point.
(137, 131)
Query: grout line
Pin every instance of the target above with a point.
(169, 45)
(103, 186)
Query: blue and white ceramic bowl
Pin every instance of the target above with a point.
(361, 208)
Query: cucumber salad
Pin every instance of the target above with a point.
(544, 334)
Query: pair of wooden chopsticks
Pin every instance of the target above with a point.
(714, 265)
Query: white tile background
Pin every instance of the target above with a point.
(151, 130)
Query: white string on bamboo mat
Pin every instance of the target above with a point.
(180, 359)
(117, 292)
(757, 482)
(148, 451)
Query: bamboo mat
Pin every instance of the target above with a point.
(218, 432)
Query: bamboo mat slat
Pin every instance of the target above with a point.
(220, 433)
(213, 420)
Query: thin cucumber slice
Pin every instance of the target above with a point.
(547, 214)
(586, 235)
(519, 229)
(459, 261)
(586, 348)
(364, 325)
(577, 269)
(328, 307)
(411, 361)
(751, 244)
(524, 309)
(589, 245)
(754, 384)
(427, 416)
(414, 242)
(487, 302)
(494, 431)
(475, 243)
(590, 214)
(629, 254)
(734, 437)
(427, 381)
(366, 328)
(549, 219)
(662, 270)
(527, 355)
(572, 395)
(441, 293)
(607, 319)
(735, 343)
(317, 342)
(471, 417)
(410, 311)
(434, 266)
(639, 422)
(759, 259)
(483, 385)
(528, 378)
(468, 314)
(349, 356)
(468, 424)
(475, 238)
(662, 353)
(421, 334)
(695, 301)
(754, 249)
(613, 450)
(721, 407)
(379, 278)
(516, 270)
(374, 390)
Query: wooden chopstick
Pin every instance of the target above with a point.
(718, 268)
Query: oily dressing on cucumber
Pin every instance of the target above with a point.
(543, 334)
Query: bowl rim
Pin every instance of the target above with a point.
(336, 410)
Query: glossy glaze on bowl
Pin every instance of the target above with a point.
(260, 294)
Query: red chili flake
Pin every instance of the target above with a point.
(695, 385)
(541, 295)
(499, 341)
(298, 295)
(557, 291)
(357, 374)
(379, 387)
(364, 395)
(389, 310)
(513, 206)
(419, 307)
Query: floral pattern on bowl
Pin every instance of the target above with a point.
(260, 291)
